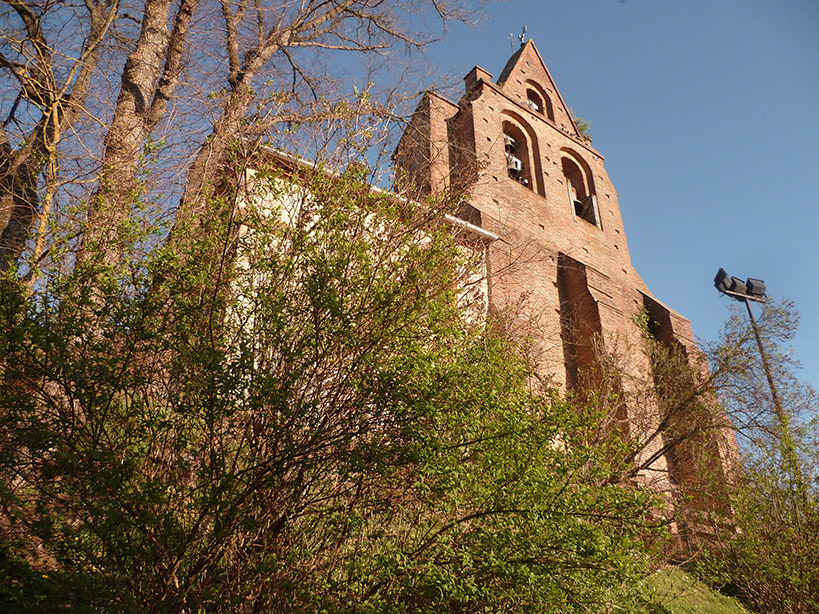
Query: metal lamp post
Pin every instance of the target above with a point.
(754, 290)
(747, 291)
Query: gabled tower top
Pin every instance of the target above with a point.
(526, 68)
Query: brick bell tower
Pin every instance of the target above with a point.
(562, 264)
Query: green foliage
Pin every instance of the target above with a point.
(770, 553)
(676, 592)
(583, 126)
(305, 414)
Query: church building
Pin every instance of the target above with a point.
(561, 264)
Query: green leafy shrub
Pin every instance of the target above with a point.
(300, 416)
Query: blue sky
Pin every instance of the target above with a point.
(707, 114)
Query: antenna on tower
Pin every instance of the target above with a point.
(522, 37)
(512, 43)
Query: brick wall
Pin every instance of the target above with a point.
(562, 268)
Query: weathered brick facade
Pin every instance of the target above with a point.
(562, 263)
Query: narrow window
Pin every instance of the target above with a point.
(580, 198)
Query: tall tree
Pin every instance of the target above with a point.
(236, 69)
(770, 552)
(46, 77)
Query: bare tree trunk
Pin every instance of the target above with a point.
(149, 78)
(19, 201)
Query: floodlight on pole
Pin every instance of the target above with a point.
(750, 290)
(754, 290)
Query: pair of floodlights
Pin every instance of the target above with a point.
(750, 289)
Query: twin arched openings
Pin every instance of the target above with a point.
(523, 164)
